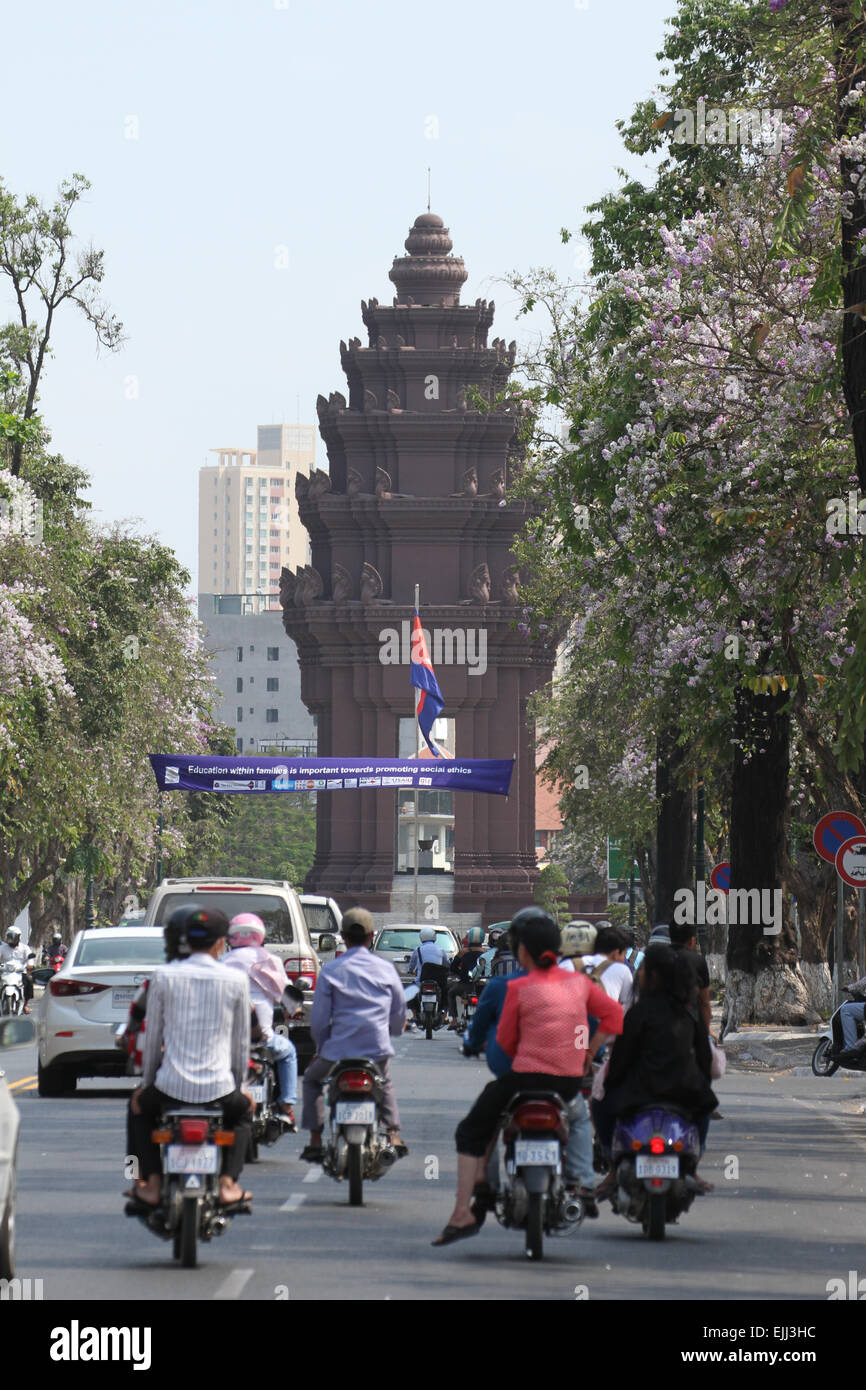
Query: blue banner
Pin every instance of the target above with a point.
(180, 772)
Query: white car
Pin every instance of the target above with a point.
(397, 943)
(14, 1032)
(323, 918)
(86, 1000)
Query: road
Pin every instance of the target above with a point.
(784, 1221)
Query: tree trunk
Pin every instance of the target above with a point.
(764, 981)
(673, 825)
(849, 122)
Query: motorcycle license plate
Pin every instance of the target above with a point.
(122, 998)
(355, 1112)
(258, 1094)
(663, 1166)
(536, 1151)
(192, 1158)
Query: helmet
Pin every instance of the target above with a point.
(57, 934)
(13, 936)
(494, 936)
(661, 933)
(578, 939)
(246, 930)
(531, 914)
(202, 926)
(476, 936)
(427, 933)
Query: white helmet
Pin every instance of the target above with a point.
(13, 936)
(427, 934)
(578, 939)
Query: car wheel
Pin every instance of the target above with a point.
(54, 1081)
(7, 1234)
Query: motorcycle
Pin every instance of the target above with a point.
(356, 1148)
(189, 1209)
(531, 1196)
(56, 959)
(655, 1158)
(825, 1058)
(267, 1125)
(11, 988)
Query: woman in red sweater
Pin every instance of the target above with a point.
(544, 1029)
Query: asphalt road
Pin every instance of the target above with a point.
(788, 1161)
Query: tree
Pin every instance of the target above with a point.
(45, 272)
(551, 893)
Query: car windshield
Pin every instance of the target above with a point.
(121, 950)
(272, 909)
(408, 940)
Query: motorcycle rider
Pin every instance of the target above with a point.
(13, 949)
(663, 1054)
(495, 937)
(359, 1006)
(577, 940)
(268, 982)
(543, 1024)
(200, 1012)
(607, 965)
(53, 948)
(465, 963)
(850, 1014)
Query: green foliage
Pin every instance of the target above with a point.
(270, 836)
(551, 893)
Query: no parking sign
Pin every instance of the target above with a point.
(833, 830)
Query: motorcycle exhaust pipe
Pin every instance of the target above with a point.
(218, 1225)
(573, 1211)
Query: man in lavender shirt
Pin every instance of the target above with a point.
(359, 1006)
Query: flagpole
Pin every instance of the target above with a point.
(417, 789)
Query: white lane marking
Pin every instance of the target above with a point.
(231, 1287)
(296, 1200)
(314, 1175)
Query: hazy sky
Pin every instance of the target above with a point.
(226, 137)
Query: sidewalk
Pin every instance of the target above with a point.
(769, 1045)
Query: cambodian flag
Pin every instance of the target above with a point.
(430, 703)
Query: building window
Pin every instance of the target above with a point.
(240, 684)
(273, 683)
(239, 744)
(240, 653)
(271, 716)
(240, 715)
(252, 711)
(273, 653)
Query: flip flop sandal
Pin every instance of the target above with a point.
(237, 1202)
(451, 1233)
(400, 1149)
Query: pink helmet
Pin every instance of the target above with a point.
(246, 930)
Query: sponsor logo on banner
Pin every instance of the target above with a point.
(172, 776)
(233, 785)
(334, 784)
(370, 781)
(396, 781)
(283, 784)
(349, 782)
(425, 781)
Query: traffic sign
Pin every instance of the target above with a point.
(851, 861)
(833, 830)
(721, 877)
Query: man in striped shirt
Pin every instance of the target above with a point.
(198, 1011)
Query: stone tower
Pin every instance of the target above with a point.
(416, 495)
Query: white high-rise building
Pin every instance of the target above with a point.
(248, 523)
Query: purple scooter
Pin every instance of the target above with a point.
(655, 1157)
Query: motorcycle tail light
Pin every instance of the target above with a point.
(657, 1182)
(537, 1114)
(193, 1131)
(473, 999)
(62, 988)
(224, 1138)
(355, 1081)
(161, 1136)
(678, 1146)
(657, 1144)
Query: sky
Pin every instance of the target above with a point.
(255, 167)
